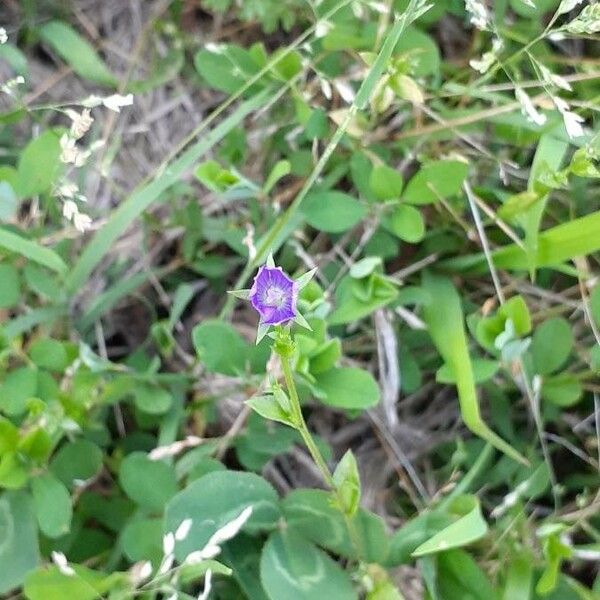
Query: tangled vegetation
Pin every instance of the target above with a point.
(299, 299)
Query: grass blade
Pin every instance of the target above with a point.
(141, 199)
(550, 153)
(445, 323)
(555, 246)
(32, 250)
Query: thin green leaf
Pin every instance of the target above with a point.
(148, 193)
(32, 250)
(77, 52)
(445, 322)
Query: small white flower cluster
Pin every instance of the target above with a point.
(73, 154)
(3, 36)
(114, 102)
(573, 122)
(9, 86)
(60, 560)
(68, 192)
(553, 79)
(528, 109)
(478, 13)
(488, 58)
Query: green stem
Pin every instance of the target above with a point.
(285, 351)
(301, 423)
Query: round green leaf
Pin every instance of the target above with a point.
(52, 503)
(142, 539)
(386, 183)
(551, 345)
(294, 569)
(311, 514)
(220, 347)
(216, 499)
(332, 211)
(18, 387)
(49, 354)
(153, 400)
(349, 387)
(149, 483)
(407, 223)
(422, 51)
(19, 552)
(43, 150)
(564, 390)
(441, 178)
(77, 461)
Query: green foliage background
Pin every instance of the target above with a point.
(437, 164)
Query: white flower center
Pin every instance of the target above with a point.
(275, 297)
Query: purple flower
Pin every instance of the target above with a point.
(274, 296)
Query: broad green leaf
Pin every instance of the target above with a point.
(49, 583)
(441, 178)
(146, 194)
(227, 70)
(152, 400)
(413, 534)
(31, 250)
(220, 347)
(279, 170)
(294, 569)
(519, 579)
(551, 345)
(445, 323)
(243, 555)
(355, 299)
(216, 499)
(332, 211)
(76, 462)
(10, 289)
(459, 576)
(462, 532)
(268, 407)
(76, 52)
(386, 183)
(43, 283)
(421, 51)
(19, 552)
(149, 483)
(564, 389)
(312, 514)
(406, 222)
(43, 150)
(347, 483)
(483, 369)
(49, 354)
(19, 386)
(348, 387)
(52, 503)
(142, 539)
